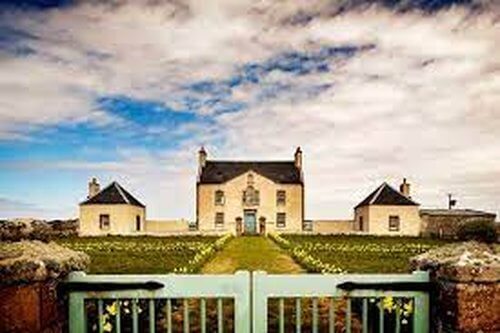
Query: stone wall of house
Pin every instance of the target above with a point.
(18, 229)
(332, 227)
(30, 273)
(376, 220)
(446, 226)
(233, 207)
(122, 219)
(467, 293)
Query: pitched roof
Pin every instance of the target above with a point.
(113, 194)
(455, 212)
(386, 195)
(218, 172)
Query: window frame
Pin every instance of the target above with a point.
(280, 197)
(219, 194)
(217, 220)
(104, 225)
(393, 218)
(279, 223)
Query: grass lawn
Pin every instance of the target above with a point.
(138, 255)
(251, 253)
(365, 254)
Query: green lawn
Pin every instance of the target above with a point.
(252, 254)
(138, 255)
(365, 254)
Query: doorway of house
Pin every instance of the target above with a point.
(250, 222)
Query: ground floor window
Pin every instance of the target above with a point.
(394, 223)
(104, 221)
(281, 220)
(138, 223)
(219, 219)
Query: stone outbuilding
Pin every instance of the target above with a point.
(444, 223)
(387, 211)
(112, 210)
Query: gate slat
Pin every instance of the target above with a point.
(186, 315)
(220, 313)
(100, 318)
(298, 316)
(315, 314)
(381, 316)
(365, 315)
(169, 316)
(135, 319)
(118, 318)
(282, 315)
(203, 315)
(152, 319)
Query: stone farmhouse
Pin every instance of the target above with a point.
(258, 197)
(250, 197)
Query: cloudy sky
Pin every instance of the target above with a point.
(372, 91)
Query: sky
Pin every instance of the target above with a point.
(372, 91)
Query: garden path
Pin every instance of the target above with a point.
(251, 253)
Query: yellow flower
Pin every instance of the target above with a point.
(108, 327)
(388, 303)
(408, 308)
(111, 309)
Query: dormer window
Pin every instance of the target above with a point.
(219, 198)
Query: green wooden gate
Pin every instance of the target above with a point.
(259, 303)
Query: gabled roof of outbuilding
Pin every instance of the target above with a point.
(281, 172)
(113, 194)
(386, 195)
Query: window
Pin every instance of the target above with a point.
(394, 223)
(280, 197)
(104, 221)
(251, 197)
(281, 220)
(138, 223)
(219, 198)
(361, 226)
(219, 219)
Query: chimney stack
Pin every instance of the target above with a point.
(404, 188)
(94, 187)
(202, 158)
(298, 158)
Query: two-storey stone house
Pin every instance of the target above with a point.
(250, 197)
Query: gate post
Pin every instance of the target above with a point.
(242, 302)
(259, 302)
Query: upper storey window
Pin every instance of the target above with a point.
(251, 196)
(280, 197)
(219, 198)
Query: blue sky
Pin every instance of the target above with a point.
(131, 91)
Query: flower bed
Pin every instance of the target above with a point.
(146, 255)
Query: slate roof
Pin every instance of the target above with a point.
(455, 212)
(281, 172)
(113, 194)
(386, 195)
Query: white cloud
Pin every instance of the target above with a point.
(423, 103)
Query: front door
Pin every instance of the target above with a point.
(250, 222)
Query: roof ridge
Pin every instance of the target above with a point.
(118, 187)
(379, 190)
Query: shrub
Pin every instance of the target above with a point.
(480, 230)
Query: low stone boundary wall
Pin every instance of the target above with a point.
(30, 273)
(467, 281)
(19, 229)
(171, 227)
(332, 227)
